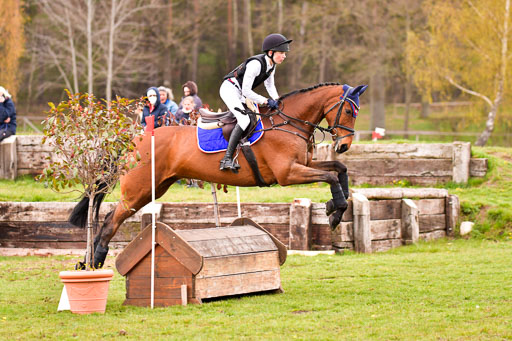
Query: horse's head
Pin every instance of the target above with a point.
(342, 121)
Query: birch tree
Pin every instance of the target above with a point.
(466, 48)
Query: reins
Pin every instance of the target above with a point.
(310, 136)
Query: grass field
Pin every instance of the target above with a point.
(443, 290)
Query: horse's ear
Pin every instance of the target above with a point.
(360, 89)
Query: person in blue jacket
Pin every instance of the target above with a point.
(7, 115)
(153, 107)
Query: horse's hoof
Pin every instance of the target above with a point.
(100, 254)
(329, 208)
(335, 219)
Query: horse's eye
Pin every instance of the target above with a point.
(348, 111)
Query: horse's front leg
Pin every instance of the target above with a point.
(341, 169)
(300, 174)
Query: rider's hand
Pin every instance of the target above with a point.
(272, 103)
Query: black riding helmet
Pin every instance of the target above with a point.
(276, 42)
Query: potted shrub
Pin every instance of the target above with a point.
(92, 142)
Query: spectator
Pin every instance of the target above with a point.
(7, 115)
(190, 89)
(167, 98)
(155, 108)
(184, 114)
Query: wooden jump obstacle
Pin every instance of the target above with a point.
(191, 265)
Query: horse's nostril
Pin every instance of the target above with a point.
(343, 148)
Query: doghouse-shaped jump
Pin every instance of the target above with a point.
(213, 262)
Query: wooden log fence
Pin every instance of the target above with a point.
(419, 164)
(377, 219)
(376, 164)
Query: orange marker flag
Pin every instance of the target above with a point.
(150, 124)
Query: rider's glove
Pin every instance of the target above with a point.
(272, 103)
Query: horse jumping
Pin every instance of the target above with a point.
(284, 156)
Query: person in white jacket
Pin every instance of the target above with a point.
(240, 83)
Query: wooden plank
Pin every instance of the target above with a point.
(478, 167)
(460, 161)
(165, 266)
(344, 232)
(400, 193)
(339, 246)
(43, 244)
(385, 229)
(211, 234)
(300, 224)
(146, 302)
(165, 287)
(8, 158)
(234, 246)
(229, 265)
(238, 284)
(452, 213)
(432, 235)
(432, 222)
(261, 213)
(399, 167)
(280, 246)
(177, 247)
(385, 245)
(134, 252)
(430, 206)
(385, 209)
(358, 180)
(397, 150)
(321, 236)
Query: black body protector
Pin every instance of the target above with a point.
(239, 72)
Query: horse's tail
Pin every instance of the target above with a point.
(78, 216)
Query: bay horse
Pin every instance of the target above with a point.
(284, 156)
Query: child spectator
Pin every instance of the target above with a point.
(184, 114)
(7, 115)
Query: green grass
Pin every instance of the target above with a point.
(443, 290)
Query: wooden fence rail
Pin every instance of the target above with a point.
(420, 164)
(376, 220)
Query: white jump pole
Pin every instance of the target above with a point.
(238, 202)
(150, 123)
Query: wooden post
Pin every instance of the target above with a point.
(460, 158)
(8, 158)
(452, 213)
(146, 215)
(300, 224)
(362, 232)
(410, 222)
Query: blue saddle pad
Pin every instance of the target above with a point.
(212, 140)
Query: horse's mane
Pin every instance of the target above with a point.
(307, 89)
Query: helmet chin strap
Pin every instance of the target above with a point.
(272, 57)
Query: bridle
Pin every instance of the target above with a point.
(310, 136)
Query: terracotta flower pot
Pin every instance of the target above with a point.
(87, 290)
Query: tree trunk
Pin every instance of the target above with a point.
(195, 42)
(248, 28)
(168, 52)
(231, 62)
(300, 43)
(425, 108)
(90, 14)
(110, 53)
(489, 124)
(377, 103)
(73, 52)
(279, 15)
(89, 254)
(408, 82)
(323, 55)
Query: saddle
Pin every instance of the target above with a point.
(225, 120)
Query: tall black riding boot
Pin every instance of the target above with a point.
(227, 162)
